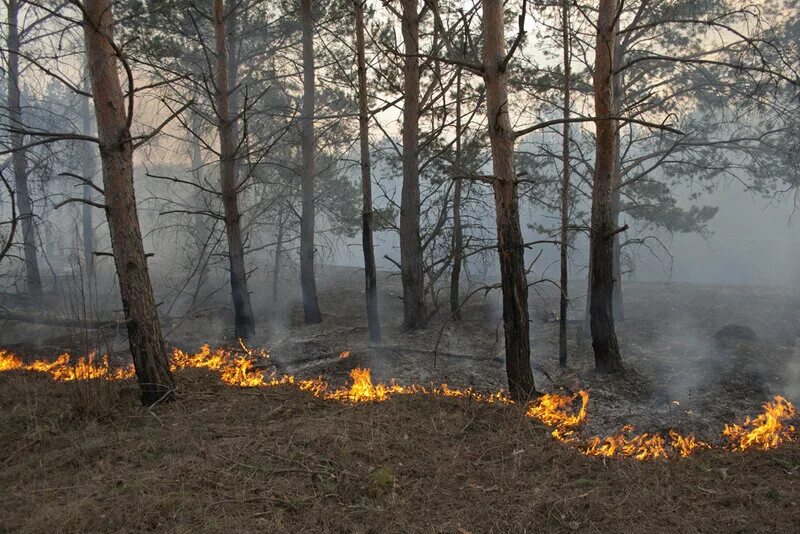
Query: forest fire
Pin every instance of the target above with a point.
(62, 368)
(564, 414)
(767, 430)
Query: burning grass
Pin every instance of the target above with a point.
(278, 459)
(564, 414)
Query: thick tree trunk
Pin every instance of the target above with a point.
(412, 273)
(564, 300)
(604, 337)
(371, 279)
(510, 245)
(618, 81)
(33, 281)
(458, 234)
(308, 280)
(88, 192)
(116, 151)
(243, 311)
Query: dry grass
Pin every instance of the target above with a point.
(278, 460)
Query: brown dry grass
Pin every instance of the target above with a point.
(278, 460)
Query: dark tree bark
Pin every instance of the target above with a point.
(510, 245)
(564, 300)
(88, 176)
(308, 280)
(412, 273)
(116, 153)
(618, 81)
(276, 262)
(458, 234)
(371, 279)
(19, 156)
(243, 311)
(604, 337)
(201, 232)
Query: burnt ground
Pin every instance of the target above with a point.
(677, 375)
(85, 457)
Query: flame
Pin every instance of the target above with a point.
(766, 431)
(344, 354)
(62, 370)
(564, 414)
(9, 362)
(553, 409)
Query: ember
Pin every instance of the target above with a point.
(564, 414)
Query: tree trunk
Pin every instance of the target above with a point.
(243, 312)
(371, 279)
(564, 301)
(201, 232)
(116, 151)
(276, 263)
(618, 81)
(458, 234)
(308, 280)
(33, 281)
(88, 192)
(604, 338)
(510, 245)
(412, 273)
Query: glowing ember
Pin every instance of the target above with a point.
(564, 414)
(766, 431)
(344, 354)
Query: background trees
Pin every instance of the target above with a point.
(265, 147)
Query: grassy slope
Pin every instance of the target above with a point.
(78, 458)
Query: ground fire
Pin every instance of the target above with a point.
(563, 414)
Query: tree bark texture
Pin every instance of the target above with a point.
(243, 312)
(510, 245)
(116, 154)
(604, 337)
(308, 280)
(371, 278)
(412, 272)
(33, 280)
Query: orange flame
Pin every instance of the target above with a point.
(9, 362)
(766, 431)
(559, 412)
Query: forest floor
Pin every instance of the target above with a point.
(677, 375)
(84, 457)
(87, 458)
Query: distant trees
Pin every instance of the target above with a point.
(274, 149)
(16, 128)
